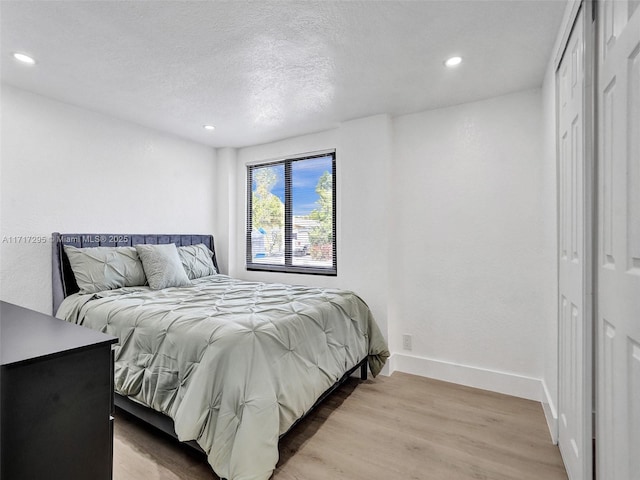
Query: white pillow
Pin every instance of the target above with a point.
(162, 266)
(197, 260)
(105, 268)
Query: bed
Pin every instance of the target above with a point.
(226, 365)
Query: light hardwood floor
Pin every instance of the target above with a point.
(400, 427)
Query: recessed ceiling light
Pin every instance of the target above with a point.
(208, 127)
(21, 57)
(453, 61)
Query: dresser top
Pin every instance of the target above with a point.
(29, 335)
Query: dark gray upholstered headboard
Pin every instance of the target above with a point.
(64, 282)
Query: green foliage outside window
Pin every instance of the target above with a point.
(321, 236)
(267, 208)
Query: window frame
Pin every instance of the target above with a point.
(288, 266)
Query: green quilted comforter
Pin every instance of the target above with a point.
(233, 363)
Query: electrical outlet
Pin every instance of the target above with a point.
(406, 341)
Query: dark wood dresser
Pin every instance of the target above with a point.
(56, 398)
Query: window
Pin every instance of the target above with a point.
(291, 215)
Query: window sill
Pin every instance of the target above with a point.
(329, 272)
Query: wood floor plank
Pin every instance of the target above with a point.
(403, 426)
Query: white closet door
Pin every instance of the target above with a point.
(618, 251)
(574, 316)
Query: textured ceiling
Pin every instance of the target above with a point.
(262, 71)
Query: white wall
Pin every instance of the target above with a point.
(472, 277)
(226, 243)
(363, 149)
(68, 169)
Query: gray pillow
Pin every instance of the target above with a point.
(197, 260)
(162, 266)
(105, 268)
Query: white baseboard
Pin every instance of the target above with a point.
(550, 413)
(495, 381)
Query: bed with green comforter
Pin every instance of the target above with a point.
(233, 363)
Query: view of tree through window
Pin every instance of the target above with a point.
(292, 215)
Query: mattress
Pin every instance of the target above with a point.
(233, 363)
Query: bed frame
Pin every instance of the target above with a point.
(64, 284)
